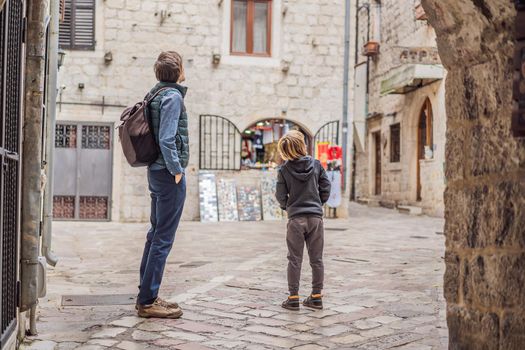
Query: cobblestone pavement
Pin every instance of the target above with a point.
(383, 287)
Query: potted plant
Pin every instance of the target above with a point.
(420, 13)
(371, 48)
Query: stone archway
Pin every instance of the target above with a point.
(485, 172)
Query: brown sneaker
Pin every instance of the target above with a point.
(171, 305)
(158, 310)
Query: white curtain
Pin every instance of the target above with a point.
(239, 26)
(260, 27)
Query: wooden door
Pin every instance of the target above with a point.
(424, 139)
(377, 150)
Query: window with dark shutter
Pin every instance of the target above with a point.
(77, 30)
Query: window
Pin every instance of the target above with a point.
(251, 27)
(77, 29)
(395, 143)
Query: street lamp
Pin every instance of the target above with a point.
(61, 57)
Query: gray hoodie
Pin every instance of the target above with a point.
(302, 187)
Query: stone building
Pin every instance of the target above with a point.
(399, 108)
(251, 67)
(482, 47)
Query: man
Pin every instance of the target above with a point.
(166, 183)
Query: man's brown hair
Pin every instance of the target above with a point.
(168, 67)
(292, 146)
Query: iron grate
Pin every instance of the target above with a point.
(98, 300)
(11, 30)
(219, 144)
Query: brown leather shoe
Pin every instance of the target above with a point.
(158, 310)
(170, 304)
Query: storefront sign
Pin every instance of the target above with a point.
(418, 55)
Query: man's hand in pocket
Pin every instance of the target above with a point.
(178, 177)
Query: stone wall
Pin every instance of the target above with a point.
(307, 34)
(485, 195)
(395, 27)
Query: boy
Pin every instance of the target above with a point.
(302, 189)
(166, 183)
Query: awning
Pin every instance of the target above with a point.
(410, 77)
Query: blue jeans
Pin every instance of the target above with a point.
(167, 202)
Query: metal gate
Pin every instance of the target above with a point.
(82, 171)
(329, 132)
(220, 144)
(11, 37)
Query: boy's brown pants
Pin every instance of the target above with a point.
(307, 229)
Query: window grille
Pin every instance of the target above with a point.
(66, 136)
(219, 143)
(64, 207)
(95, 137)
(93, 208)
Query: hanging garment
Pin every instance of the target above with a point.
(335, 192)
(267, 136)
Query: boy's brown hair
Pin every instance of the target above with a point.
(292, 146)
(168, 67)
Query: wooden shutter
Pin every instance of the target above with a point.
(77, 30)
(62, 10)
(64, 35)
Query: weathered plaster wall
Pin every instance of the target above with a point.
(399, 28)
(485, 195)
(309, 35)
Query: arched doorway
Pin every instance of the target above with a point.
(424, 140)
(259, 142)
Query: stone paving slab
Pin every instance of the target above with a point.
(383, 287)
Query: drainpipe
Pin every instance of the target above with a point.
(52, 55)
(345, 92)
(31, 156)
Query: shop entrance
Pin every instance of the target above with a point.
(259, 143)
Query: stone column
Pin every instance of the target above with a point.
(485, 172)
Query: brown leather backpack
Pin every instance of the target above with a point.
(136, 135)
